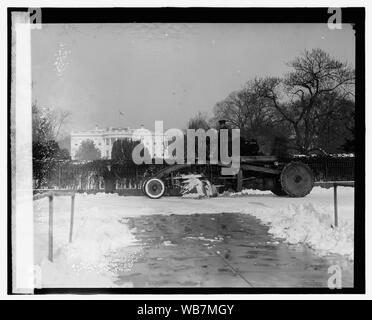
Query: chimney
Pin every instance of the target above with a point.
(96, 127)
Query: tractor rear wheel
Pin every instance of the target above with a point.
(278, 190)
(296, 179)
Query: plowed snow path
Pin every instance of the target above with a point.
(217, 250)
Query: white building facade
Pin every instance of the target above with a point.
(104, 139)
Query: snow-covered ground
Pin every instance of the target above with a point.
(100, 227)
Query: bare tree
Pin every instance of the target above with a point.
(245, 110)
(298, 98)
(60, 117)
(48, 122)
(45, 150)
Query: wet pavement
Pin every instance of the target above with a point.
(218, 250)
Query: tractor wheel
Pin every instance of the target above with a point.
(143, 185)
(154, 188)
(278, 190)
(296, 179)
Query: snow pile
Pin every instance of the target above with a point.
(308, 220)
(245, 192)
(84, 262)
(310, 225)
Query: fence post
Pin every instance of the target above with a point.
(59, 175)
(72, 216)
(50, 252)
(335, 203)
(239, 184)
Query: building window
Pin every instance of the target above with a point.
(107, 142)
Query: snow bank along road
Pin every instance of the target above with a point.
(112, 245)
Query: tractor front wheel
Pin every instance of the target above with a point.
(154, 188)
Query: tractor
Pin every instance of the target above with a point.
(284, 176)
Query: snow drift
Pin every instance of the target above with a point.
(84, 262)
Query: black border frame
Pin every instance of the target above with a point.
(354, 16)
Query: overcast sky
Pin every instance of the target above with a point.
(165, 72)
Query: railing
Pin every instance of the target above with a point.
(335, 184)
(51, 195)
(331, 168)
